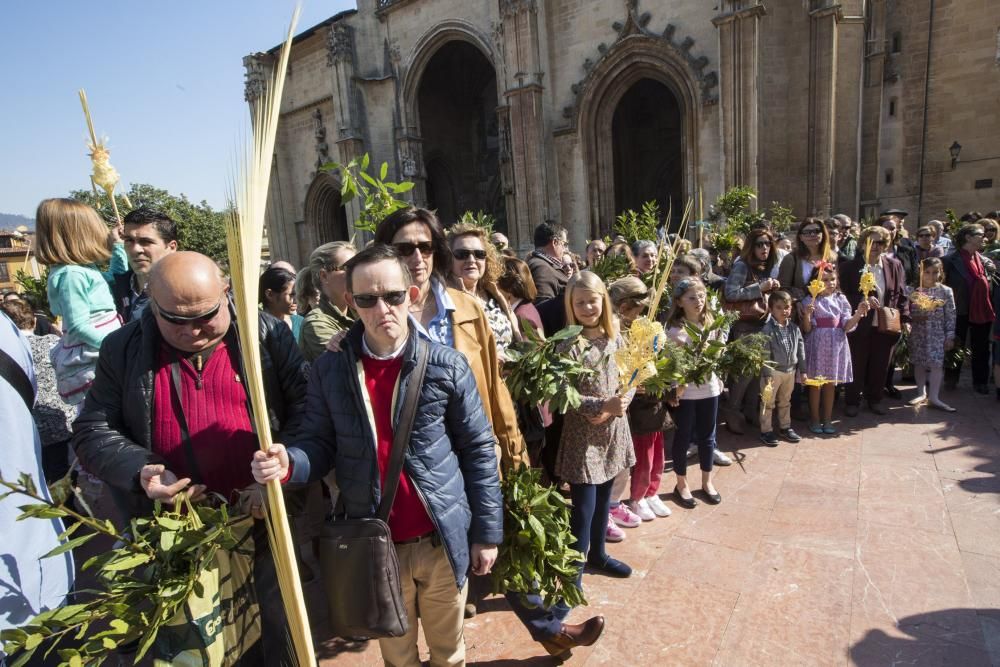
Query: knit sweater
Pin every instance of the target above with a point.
(214, 403)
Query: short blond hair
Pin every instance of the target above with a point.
(587, 280)
(70, 232)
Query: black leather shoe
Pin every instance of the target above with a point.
(712, 498)
(609, 566)
(851, 410)
(571, 636)
(688, 503)
(892, 392)
(878, 409)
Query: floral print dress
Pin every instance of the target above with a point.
(931, 327)
(827, 351)
(594, 453)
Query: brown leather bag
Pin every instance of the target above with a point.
(357, 556)
(888, 320)
(750, 311)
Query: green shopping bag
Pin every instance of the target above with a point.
(216, 628)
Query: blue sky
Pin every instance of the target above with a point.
(164, 81)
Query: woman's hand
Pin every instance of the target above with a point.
(873, 303)
(333, 345)
(272, 464)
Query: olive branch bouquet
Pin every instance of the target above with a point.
(145, 579)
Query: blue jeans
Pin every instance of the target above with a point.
(695, 421)
(542, 622)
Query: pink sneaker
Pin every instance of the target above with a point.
(625, 517)
(613, 533)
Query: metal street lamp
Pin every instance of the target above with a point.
(955, 150)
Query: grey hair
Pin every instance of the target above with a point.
(842, 218)
(937, 224)
(703, 257)
(640, 245)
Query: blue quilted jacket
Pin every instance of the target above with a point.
(451, 458)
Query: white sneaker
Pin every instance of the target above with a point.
(654, 503)
(692, 451)
(641, 507)
(721, 459)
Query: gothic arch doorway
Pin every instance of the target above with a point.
(325, 214)
(458, 127)
(643, 83)
(646, 145)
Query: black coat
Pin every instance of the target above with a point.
(451, 458)
(113, 434)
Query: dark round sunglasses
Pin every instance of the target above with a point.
(181, 320)
(405, 249)
(463, 254)
(394, 298)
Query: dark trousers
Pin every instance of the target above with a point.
(589, 518)
(871, 354)
(542, 622)
(695, 421)
(978, 338)
(275, 641)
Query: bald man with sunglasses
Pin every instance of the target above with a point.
(168, 411)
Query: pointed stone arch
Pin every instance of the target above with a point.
(325, 215)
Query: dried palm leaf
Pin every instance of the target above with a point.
(244, 238)
(105, 176)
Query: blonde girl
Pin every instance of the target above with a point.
(932, 307)
(595, 445)
(73, 240)
(698, 405)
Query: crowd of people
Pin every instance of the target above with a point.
(142, 392)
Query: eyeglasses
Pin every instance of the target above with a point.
(762, 244)
(393, 298)
(925, 235)
(812, 231)
(182, 320)
(463, 254)
(977, 234)
(406, 248)
(879, 244)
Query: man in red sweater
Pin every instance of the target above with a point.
(446, 516)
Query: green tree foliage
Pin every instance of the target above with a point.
(199, 226)
(639, 226)
(36, 289)
(377, 196)
(734, 208)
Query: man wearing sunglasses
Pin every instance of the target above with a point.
(448, 496)
(168, 411)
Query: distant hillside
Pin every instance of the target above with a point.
(11, 221)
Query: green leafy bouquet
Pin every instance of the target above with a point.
(145, 579)
(539, 371)
(536, 556)
(377, 196)
(611, 268)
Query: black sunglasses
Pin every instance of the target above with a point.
(463, 254)
(812, 231)
(181, 320)
(393, 298)
(762, 244)
(406, 248)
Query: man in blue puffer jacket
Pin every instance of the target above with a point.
(449, 491)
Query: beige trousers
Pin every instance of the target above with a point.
(430, 593)
(782, 385)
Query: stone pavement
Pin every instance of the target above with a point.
(878, 546)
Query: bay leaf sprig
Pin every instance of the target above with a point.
(540, 370)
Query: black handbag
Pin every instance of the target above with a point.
(357, 556)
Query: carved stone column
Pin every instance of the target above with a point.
(823, 62)
(739, 65)
(341, 59)
(519, 36)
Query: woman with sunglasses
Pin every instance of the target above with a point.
(968, 273)
(747, 286)
(475, 269)
(925, 247)
(812, 246)
(872, 350)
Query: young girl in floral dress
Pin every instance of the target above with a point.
(826, 321)
(596, 444)
(932, 307)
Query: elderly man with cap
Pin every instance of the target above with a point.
(168, 410)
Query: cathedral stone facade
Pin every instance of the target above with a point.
(574, 110)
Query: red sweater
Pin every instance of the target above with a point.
(408, 518)
(222, 436)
